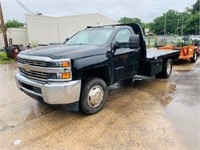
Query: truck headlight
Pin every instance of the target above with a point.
(64, 75)
(60, 69)
(62, 64)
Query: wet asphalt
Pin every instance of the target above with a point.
(149, 114)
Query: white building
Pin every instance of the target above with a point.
(15, 36)
(45, 30)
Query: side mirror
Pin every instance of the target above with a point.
(134, 42)
(66, 40)
(114, 47)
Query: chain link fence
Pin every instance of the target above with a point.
(155, 41)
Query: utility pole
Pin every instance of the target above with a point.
(196, 29)
(3, 27)
(165, 24)
(178, 28)
(182, 27)
(199, 15)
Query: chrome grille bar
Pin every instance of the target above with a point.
(34, 73)
(32, 62)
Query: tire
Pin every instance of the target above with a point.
(15, 52)
(166, 70)
(93, 96)
(194, 58)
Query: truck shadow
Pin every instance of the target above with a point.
(145, 90)
(181, 62)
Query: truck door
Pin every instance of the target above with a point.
(125, 60)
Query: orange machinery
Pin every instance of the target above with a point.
(188, 52)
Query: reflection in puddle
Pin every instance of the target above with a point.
(186, 120)
(184, 110)
(156, 87)
(184, 70)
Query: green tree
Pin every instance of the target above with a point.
(195, 7)
(126, 20)
(174, 20)
(192, 25)
(13, 24)
(185, 23)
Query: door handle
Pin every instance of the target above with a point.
(136, 50)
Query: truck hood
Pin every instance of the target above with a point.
(66, 51)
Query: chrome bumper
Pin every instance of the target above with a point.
(51, 92)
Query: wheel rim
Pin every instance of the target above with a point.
(169, 67)
(95, 96)
(195, 56)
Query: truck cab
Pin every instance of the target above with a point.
(77, 74)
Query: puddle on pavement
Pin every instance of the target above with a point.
(155, 87)
(180, 99)
(183, 66)
(186, 121)
(182, 71)
(25, 108)
(39, 110)
(184, 110)
(158, 88)
(3, 125)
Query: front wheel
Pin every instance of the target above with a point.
(194, 58)
(166, 70)
(94, 95)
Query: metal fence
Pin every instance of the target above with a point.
(154, 41)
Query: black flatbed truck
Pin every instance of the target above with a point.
(76, 74)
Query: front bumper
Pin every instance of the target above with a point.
(51, 92)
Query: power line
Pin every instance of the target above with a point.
(24, 7)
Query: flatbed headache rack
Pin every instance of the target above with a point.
(103, 26)
(114, 25)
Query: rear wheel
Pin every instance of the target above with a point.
(166, 70)
(94, 95)
(194, 58)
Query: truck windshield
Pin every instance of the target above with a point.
(90, 37)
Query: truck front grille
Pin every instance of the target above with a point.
(34, 74)
(42, 69)
(32, 62)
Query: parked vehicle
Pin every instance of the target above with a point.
(79, 72)
(13, 50)
(187, 51)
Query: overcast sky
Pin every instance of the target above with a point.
(147, 10)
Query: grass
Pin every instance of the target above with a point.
(4, 58)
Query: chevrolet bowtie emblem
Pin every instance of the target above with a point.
(27, 67)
